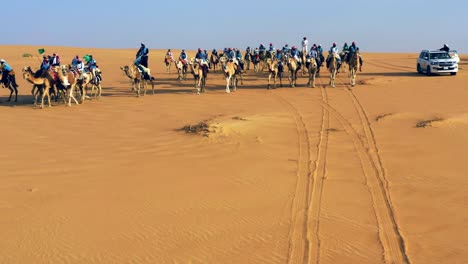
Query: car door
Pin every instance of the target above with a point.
(424, 60)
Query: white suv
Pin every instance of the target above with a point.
(432, 62)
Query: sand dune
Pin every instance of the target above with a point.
(292, 175)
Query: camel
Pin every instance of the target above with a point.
(200, 73)
(256, 62)
(41, 83)
(343, 57)
(214, 59)
(10, 86)
(230, 73)
(53, 84)
(67, 77)
(83, 79)
(168, 61)
(57, 88)
(96, 84)
(247, 59)
(138, 79)
(304, 58)
(181, 70)
(275, 70)
(312, 68)
(333, 68)
(293, 69)
(354, 65)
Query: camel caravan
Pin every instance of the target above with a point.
(64, 82)
(81, 79)
(274, 61)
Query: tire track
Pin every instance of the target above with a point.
(389, 232)
(320, 172)
(304, 241)
(389, 66)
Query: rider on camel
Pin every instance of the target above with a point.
(295, 55)
(305, 45)
(201, 57)
(333, 52)
(55, 60)
(8, 75)
(142, 55)
(354, 50)
(183, 57)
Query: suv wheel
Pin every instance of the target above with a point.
(453, 73)
(428, 71)
(419, 68)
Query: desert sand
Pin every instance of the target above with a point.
(371, 174)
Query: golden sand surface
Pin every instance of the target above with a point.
(371, 174)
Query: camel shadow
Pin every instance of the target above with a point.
(23, 101)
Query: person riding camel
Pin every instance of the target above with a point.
(74, 61)
(92, 66)
(142, 56)
(261, 48)
(201, 57)
(295, 55)
(262, 51)
(333, 52)
(354, 50)
(183, 57)
(305, 45)
(314, 54)
(80, 68)
(45, 65)
(256, 51)
(320, 54)
(345, 47)
(286, 49)
(8, 75)
(169, 54)
(247, 51)
(345, 52)
(239, 59)
(55, 60)
(214, 52)
(278, 55)
(271, 50)
(231, 54)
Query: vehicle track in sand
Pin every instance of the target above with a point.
(389, 233)
(304, 241)
(385, 65)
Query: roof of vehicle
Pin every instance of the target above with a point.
(435, 51)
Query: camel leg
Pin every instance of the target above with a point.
(42, 100)
(269, 78)
(235, 80)
(71, 96)
(228, 80)
(11, 92)
(313, 79)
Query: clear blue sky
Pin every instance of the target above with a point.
(376, 25)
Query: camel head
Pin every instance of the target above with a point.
(26, 69)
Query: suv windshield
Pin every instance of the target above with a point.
(439, 55)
